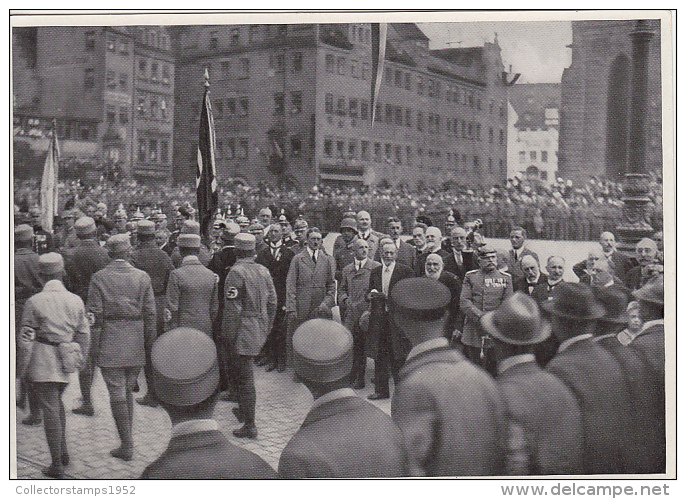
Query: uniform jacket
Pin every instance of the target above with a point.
(481, 293)
(27, 281)
(81, 263)
(149, 258)
(205, 256)
(352, 291)
(459, 270)
(220, 264)
(451, 415)
(122, 302)
(278, 269)
(308, 286)
(58, 316)
(249, 306)
(596, 379)
(345, 438)
(513, 266)
(192, 296)
(343, 255)
(546, 411)
(206, 455)
(521, 284)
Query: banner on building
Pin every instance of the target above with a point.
(49, 198)
(206, 172)
(378, 55)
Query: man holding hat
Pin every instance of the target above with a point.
(543, 418)
(483, 290)
(81, 264)
(450, 412)
(151, 259)
(27, 282)
(121, 306)
(186, 381)
(593, 375)
(51, 318)
(249, 310)
(192, 299)
(204, 255)
(343, 435)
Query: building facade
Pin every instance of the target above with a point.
(533, 129)
(596, 101)
(87, 80)
(292, 106)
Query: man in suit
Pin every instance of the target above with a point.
(593, 375)
(619, 263)
(121, 307)
(406, 251)
(483, 290)
(460, 259)
(310, 284)
(518, 250)
(81, 264)
(344, 249)
(365, 231)
(352, 292)
(157, 264)
(648, 266)
(277, 259)
(543, 419)
(186, 386)
(433, 238)
(556, 269)
(343, 435)
(390, 346)
(449, 411)
(532, 276)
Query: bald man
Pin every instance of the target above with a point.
(433, 238)
(365, 231)
(532, 275)
(460, 259)
(648, 265)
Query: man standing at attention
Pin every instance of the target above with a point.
(517, 252)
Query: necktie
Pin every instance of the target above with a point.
(314, 257)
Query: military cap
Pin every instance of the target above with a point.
(420, 298)
(184, 366)
(85, 225)
(574, 300)
(322, 351)
(256, 227)
(51, 263)
(653, 291)
(188, 241)
(190, 227)
(243, 221)
(487, 250)
(146, 227)
(244, 241)
(23, 233)
(119, 242)
(516, 321)
(300, 223)
(348, 223)
(232, 228)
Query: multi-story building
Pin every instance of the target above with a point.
(533, 127)
(292, 104)
(88, 79)
(596, 100)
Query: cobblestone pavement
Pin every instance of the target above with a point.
(282, 406)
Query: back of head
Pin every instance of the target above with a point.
(419, 306)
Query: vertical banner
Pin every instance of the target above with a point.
(48, 187)
(378, 55)
(206, 173)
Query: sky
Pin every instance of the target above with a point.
(536, 49)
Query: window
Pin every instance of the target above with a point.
(420, 121)
(328, 103)
(420, 85)
(219, 109)
(501, 165)
(297, 62)
(408, 155)
(522, 157)
(352, 149)
(296, 147)
(501, 137)
(408, 81)
(89, 78)
(398, 78)
(90, 40)
(123, 115)
(353, 69)
(254, 33)
(544, 156)
(111, 80)
(330, 64)
(365, 70)
(341, 107)
(142, 154)
(399, 116)
(408, 118)
(340, 148)
(328, 147)
(276, 63)
(142, 105)
(340, 62)
(111, 43)
(490, 135)
(244, 68)
(532, 155)
(111, 115)
(389, 153)
(230, 152)
(142, 67)
(431, 88)
(243, 105)
(379, 112)
(398, 155)
(124, 81)
(153, 150)
(296, 102)
(235, 36)
(377, 152)
(353, 108)
(544, 175)
(476, 162)
(470, 131)
(278, 104)
(230, 107)
(124, 47)
(225, 67)
(364, 150)
(464, 129)
(490, 165)
(213, 40)
(437, 122)
(153, 71)
(389, 114)
(164, 152)
(154, 108)
(478, 131)
(242, 149)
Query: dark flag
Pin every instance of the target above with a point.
(378, 56)
(206, 173)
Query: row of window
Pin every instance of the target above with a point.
(154, 72)
(153, 151)
(152, 106)
(122, 80)
(223, 108)
(121, 44)
(533, 155)
(338, 65)
(111, 115)
(256, 33)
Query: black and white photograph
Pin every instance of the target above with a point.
(342, 245)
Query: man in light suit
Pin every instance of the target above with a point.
(543, 418)
(343, 435)
(518, 250)
(352, 298)
(406, 252)
(593, 375)
(449, 410)
(310, 284)
(187, 386)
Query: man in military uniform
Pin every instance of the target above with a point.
(204, 255)
(343, 435)
(151, 259)
(449, 411)
(249, 310)
(52, 317)
(483, 290)
(27, 282)
(187, 386)
(81, 264)
(343, 249)
(121, 302)
(300, 229)
(43, 242)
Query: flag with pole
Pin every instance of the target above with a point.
(206, 173)
(48, 187)
(379, 31)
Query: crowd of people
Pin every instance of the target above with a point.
(498, 367)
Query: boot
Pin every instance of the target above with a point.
(149, 400)
(237, 412)
(120, 412)
(85, 409)
(53, 472)
(248, 430)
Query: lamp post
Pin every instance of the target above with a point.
(634, 224)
